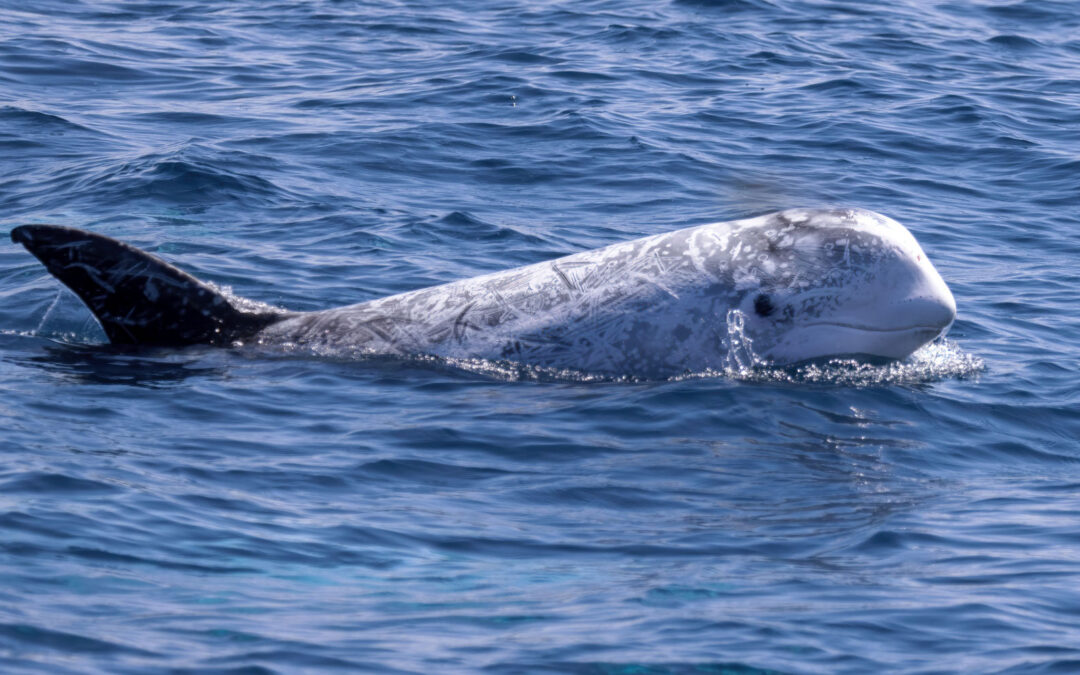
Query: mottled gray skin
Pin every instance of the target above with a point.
(782, 288)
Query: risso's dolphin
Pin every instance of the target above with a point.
(778, 289)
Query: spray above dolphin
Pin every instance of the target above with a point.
(779, 289)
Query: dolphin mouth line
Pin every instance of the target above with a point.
(852, 326)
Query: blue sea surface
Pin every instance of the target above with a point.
(229, 511)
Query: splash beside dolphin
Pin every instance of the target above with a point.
(787, 287)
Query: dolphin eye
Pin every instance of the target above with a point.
(763, 305)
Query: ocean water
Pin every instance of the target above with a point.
(228, 511)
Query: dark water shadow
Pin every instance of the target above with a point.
(151, 368)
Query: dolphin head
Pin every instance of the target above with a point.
(826, 283)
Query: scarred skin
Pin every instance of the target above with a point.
(800, 284)
(787, 287)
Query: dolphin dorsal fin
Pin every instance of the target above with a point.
(138, 298)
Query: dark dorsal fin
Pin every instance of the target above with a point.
(138, 298)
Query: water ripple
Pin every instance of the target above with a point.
(267, 511)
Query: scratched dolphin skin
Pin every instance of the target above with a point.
(792, 286)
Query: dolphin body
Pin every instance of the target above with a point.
(779, 289)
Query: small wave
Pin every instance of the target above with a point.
(934, 362)
(74, 72)
(1014, 42)
(837, 85)
(35, 637)
(35, 121)
(937, 361)
(519, 56)
(45, 482)
(629, 33)
(184, 175)
(1032, 11)
(464, 226)
(729, 5)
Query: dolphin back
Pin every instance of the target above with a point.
(137, 298)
